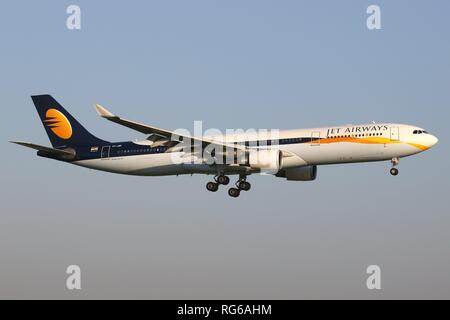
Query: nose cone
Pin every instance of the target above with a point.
(432, 140)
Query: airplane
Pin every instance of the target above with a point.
(293, 154)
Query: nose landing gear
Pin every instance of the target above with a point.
(394, 171)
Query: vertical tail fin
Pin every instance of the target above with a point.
(62, 129)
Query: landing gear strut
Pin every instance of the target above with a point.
(394, 171)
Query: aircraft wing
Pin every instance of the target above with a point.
(147, 129)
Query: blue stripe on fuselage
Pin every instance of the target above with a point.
(117, 149)
(129, 148)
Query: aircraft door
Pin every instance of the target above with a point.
(105, 152)
(315, 138)
(395, 135)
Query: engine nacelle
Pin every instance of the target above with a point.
(265, 159)
(307, 173)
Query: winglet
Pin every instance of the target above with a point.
(103, 112)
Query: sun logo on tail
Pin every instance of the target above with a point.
(58, 123)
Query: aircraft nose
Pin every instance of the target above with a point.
(433, 140)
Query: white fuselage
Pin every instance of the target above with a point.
(316, 146)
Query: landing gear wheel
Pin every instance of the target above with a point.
(224, 180)
(244, 185)
(212, 186)
(234, 193)
(394, 171)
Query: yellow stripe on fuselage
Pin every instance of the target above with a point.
(373, 140)
(419, 146)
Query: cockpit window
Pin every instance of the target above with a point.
(420, 132)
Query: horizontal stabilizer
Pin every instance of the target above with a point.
(47, 150)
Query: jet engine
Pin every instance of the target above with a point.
(306, 173)
(265, 159)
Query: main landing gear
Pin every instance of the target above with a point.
(241, 185)
(212, 186)
(218, 180)
(394, 171)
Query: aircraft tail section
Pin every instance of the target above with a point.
(62, 129)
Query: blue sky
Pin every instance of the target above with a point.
(231, 64)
